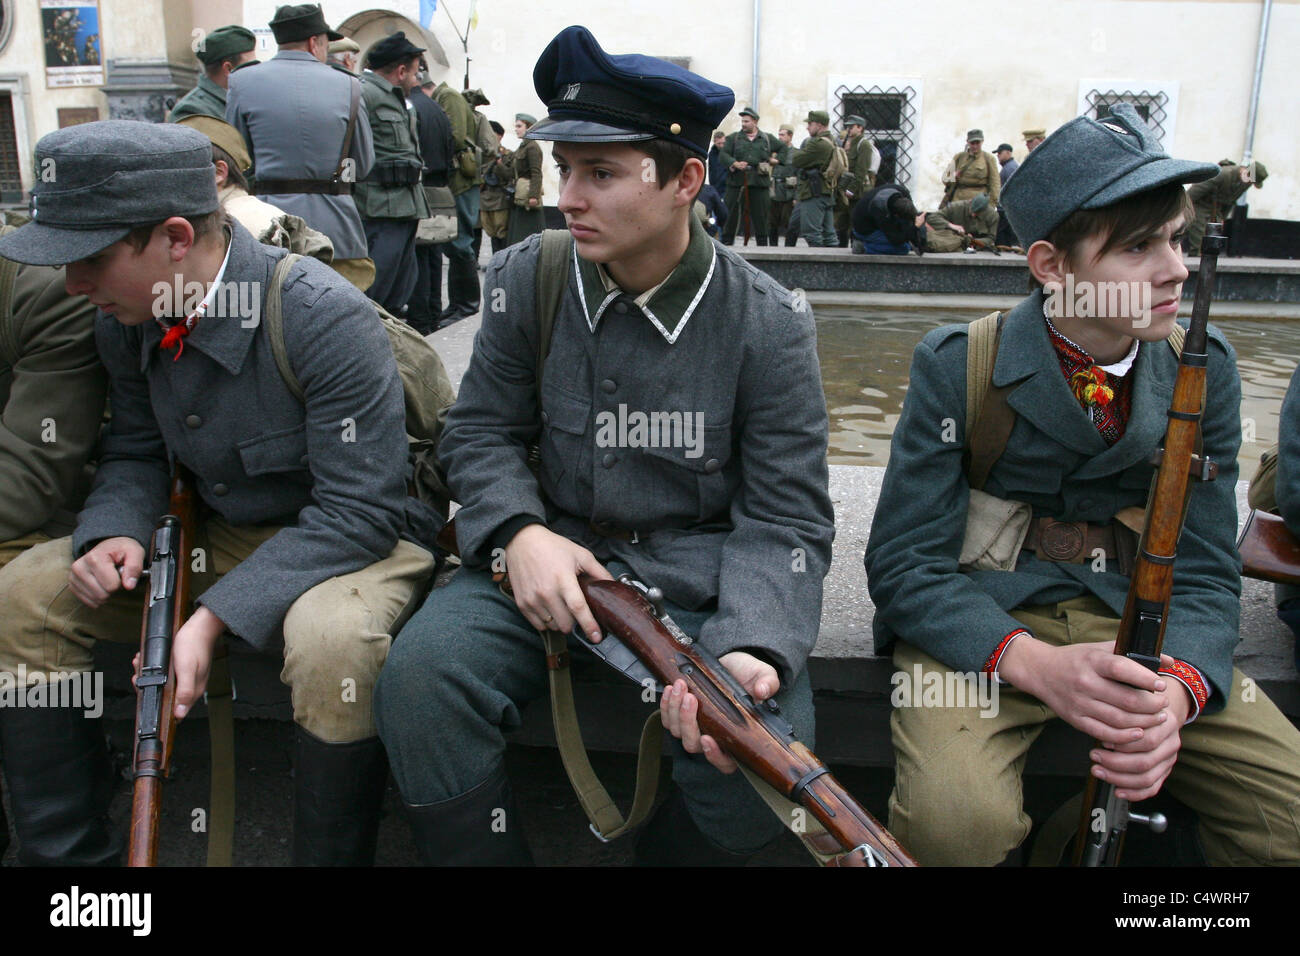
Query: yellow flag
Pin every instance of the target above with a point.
(473, 14)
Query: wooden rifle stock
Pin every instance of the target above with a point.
(753, 733)
(166, 609)
(1268, 549)
(1105, 817)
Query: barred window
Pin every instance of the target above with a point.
(890, 113)
(1152, 106)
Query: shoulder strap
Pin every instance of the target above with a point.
(989, 418)
(347, 135)
(552, 276)
(273, 317)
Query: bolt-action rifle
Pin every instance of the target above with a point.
(166, 608)
(1141, 634)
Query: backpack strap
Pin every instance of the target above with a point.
(552, 277)
(347, 135)
(273, 318)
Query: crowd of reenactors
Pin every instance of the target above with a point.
(275, 386)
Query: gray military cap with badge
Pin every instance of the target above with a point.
(95, 182)
(1088, 164)
(594, 97)
(300, 21)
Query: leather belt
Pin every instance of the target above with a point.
(1077, 542)
(397, 174)
(262, 187)
(606, 530)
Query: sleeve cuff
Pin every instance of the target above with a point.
(991, 665)
(504, 533)
(1195, 683)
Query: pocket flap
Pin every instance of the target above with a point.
(278, 452)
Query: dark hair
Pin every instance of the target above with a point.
(1123, 223)
(903, 208)
(497, 127)
(233, 175)
(213, 69)
(203, 225)
(669, 158)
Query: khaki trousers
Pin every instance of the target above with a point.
(957, 797)
(336, 635)
(16, 546)
(494, 222)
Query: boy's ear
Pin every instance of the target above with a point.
(689, 181)
(1046, 263)
(180, 237)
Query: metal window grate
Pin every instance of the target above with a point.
(890, 113)
(11, 175)
(1151, 106)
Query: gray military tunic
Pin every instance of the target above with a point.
(293, 111)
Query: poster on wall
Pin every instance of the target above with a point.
(70, 32)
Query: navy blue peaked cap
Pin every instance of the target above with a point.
(593, 97)
(1087, 164)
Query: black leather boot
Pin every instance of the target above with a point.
(60, 781)
(337, 793)
(462, 287)
(481, 827)
(671, 838)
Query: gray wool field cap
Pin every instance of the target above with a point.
(96, 181)
(1087, 164)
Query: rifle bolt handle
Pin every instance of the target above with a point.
(1158, 822)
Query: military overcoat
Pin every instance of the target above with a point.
(1058, 463)
(738, 515)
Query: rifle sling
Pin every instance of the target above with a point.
(606, 820)
(221, 732)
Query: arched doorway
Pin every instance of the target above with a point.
(370, 26)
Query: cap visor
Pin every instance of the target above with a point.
(584, 131)
(334, 35)
(37, 244)
(1159, 173)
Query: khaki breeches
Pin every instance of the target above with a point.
(957, 797)
(336, 635)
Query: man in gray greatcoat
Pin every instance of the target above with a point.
(308, 543)
(733, 522)
(293, 112)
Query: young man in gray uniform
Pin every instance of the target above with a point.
(390, 199)
(293, 112)
(734, 524)
(306, 526)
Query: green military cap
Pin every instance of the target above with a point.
(818, 116)
(223, 42)
(300, 21)
(346, 45)
(1258, 173)
(749, 111)
(477, 98)
(853, 119)
(979, 203)
(975, 135)
(1034, 133)
(786, 127)
(526, 118)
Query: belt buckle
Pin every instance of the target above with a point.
(1063, 541)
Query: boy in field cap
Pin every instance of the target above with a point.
(305, 533)
(1088, 389)
(734, 525)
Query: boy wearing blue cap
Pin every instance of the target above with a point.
(729, 514)
(302, 535)
(1087, 378)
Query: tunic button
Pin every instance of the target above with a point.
(712, 465)
(193, 421)
(608, 386)
(620, 307)
(546, 419)
(219, 489)
(609, 460)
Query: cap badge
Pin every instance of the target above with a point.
(1117, 129)
(571, 91)
(675, 129)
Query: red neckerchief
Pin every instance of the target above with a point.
(174, 336)
(1108, 399)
